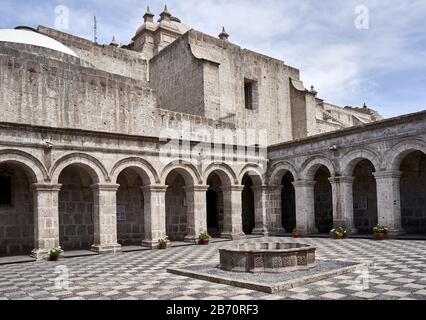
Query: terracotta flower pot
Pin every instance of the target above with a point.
(339, 236)
(296, 234)
(162, 246)
(380, 236)
(204, 242)
(52, 258)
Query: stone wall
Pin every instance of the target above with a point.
(176, 209)
(40, 91)
(216, 207)
(413, 193)
(17, 221)
(248, 206)
(323, 201)
(233, 66)
(177, 77)
(201, 75)
(103, 57)
(130, 210)
(365, 197)
(75, 210)
(288, 201)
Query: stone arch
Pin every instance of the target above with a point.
(36, 170)
(251, 177)
(310, 167)
(225, 173)
(398, 152)
(18, 172)
(94, 167)
(144, 169)
(279, 170)
(255, 172)
(188, 171)
(351, 159)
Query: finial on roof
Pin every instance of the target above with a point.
(165, 15)
(224, 35)
(315, 92)
(148, 16)
(114, 42)
(365, 106)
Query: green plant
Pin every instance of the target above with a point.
(164, 241)
(339, 232)
(204, 236)
(295, 230)
(54, 253)
(380, 229)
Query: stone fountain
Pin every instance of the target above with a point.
(267, 257)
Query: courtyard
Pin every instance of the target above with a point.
(398, 272)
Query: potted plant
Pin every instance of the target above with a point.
(204, 238)
(380, 232)
(339, 233)
(163, 243)
(54, 254)
(296, 233)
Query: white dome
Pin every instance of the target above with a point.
(34, 39)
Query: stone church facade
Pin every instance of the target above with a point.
(179, 132)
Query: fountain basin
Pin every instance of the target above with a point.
(272, 257)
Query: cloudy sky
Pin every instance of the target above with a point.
(350, 57)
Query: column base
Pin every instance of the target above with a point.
(153, 244)
(40, 254)
(393, 233)
(104, 249)
(308, 231)
(352, 231)
(260, 232)
(150, 244)
(233, 236)
(191, 239)
(277, 232)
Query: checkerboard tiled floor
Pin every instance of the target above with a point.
(399, 272)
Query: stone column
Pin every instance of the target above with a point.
(46, 219)
(105, 218)
(260, 203)
(232, 213)
(274, 212)
(343, 207)
(154, 214)
(389, 201)
(305, 206)
(196, 211)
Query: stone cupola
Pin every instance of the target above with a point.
(152, 37)
(165, 15)
(114, 42)
(148, 16)
(224, 35)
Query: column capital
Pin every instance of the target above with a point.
(46, 187)
(196, 188)
(387, 175)
(304, 183)
(341, 179)
(266, 187)
(105, 187)
(236, 188)
(155, 188)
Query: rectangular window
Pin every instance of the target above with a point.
(6, 189)
(248, 94)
